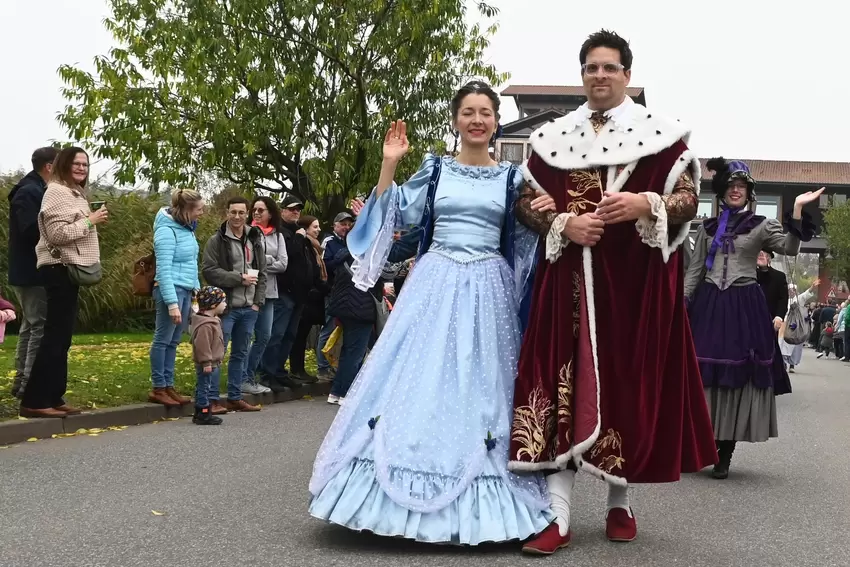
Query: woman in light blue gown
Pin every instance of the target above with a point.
(419, 448)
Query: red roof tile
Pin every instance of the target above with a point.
(556, 90)
(775, 171)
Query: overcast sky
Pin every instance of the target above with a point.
(752, 80)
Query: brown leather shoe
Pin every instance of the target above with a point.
(241, 405)
(216, 408)
(42, 412)
(70, 410)
(160, 396)
(174, 395)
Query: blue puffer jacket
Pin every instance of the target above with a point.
(176, 251)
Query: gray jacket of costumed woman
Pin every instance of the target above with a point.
(740, 360)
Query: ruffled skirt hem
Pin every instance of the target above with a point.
(486, 511)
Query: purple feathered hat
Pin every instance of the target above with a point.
(728, 171)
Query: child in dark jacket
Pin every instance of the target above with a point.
(826, 341)
(207, 350)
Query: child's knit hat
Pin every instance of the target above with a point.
(210, 297)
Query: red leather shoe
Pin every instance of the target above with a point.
(620, 526)
(548, 542)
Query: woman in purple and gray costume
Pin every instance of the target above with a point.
(740, 361)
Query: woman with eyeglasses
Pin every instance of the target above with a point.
(266, 215)
(175, 249)
(733, 332)
(68, 244)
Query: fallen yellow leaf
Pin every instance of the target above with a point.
(55, 436)
(32, 439)
(155, 513)
(93, 434)
(66, 435)
(171, 418)
(22, 418)
(4, 446)
(95, 430)
(81, 431)
(307, 397)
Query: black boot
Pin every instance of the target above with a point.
(204, 417)
(724, 454)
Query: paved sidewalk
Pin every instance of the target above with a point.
(237, 495)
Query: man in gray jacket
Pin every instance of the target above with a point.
(235, 261)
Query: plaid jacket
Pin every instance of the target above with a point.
(63, 229)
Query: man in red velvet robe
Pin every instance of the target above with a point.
(608, 378)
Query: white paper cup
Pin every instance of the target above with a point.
(255, 273)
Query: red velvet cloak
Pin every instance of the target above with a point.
(608, 375)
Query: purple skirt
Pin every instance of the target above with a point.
(734, 339)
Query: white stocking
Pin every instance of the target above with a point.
(618, 497)
(561, 491)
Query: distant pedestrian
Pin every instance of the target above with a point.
(207, 350)
(826, 342)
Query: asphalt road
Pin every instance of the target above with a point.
(237, 495)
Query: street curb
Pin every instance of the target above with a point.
(18, 430)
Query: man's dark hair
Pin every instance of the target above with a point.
(238, 201)
(609, 39)
(43, 157)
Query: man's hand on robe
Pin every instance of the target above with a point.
(584, 230)
(622, 207)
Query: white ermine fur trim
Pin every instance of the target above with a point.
(526, 174)
(688, 160)
(570, 142)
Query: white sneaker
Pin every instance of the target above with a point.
(334, 400)
(254, 388)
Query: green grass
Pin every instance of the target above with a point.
(108, 370)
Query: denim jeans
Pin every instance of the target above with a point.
(262, 334)
(206, 383)
(287, 315)
(322, 362)
(167, 337)
(33, 302)
(237, 326)
(355, 340)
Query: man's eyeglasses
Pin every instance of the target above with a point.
(607, 69)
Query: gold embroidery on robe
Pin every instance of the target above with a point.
(533, 424)
(565, 397)
(610, 448)
(586, 181)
